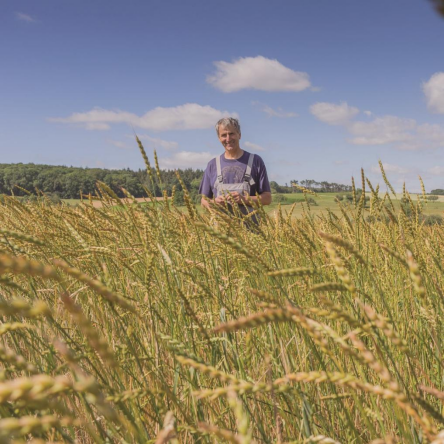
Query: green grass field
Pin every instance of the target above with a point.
(324, 201)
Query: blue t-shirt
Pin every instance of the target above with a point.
(233, 171)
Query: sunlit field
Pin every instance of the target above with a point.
(135, 323)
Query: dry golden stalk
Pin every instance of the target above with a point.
(387, 440)
(264, 295)
(186, 197)
(353, 191)
(95, 285)
(20, 307)
(335, 311)
(169, 433)
(387, 328)
(304, 190)
(234, 244)
(439, 438)
(394, 254)
(415, 276)
(345, 380)
(385, 179)
(145, 159)
(10, 357)
(209, 370)
(11, 427)
(97, 342)
(340, 268)
(20, 265)
(292, 272)
(13, 326)
(156, 163)
(340, 242)
(328, 286)
(133, 394)
(320, 439)
(224, 434)
(33, 389)
(369, 358)
(432, 391)
(244, 433)
(276, 315)
(22, 237)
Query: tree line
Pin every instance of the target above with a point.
(68, 182)
(310, 184)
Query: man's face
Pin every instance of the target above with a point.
(229, 138)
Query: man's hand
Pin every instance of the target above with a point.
(220, 200)
(236, 197)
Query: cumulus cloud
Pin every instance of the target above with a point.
(183, 117)
(119, 144)
(382, 130)
(253, 146)
(159, 143)
(257, 73)
(186, 159)
(279, 112)
(437, 171)
(25, 17)
(434, 93)
(402, 133)
(390, 168)
(96, 126)
(333, 114)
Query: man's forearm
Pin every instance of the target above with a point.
(205, 202)
(265, 199)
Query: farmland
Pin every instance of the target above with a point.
(152, 324)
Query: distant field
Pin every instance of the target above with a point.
(328, 200)
(323, 200)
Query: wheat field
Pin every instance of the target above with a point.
(134, 323)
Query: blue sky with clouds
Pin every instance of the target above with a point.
(322, 88)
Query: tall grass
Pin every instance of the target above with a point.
(139, 323)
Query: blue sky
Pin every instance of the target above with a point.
(322, 88)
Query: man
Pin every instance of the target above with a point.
(236, 176)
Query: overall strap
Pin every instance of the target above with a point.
(219, 170)
(247, 175)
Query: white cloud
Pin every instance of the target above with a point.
(434, 92)
(426, 136)
(382, 130)
(368, 113)
(96, 126)
(390, 168)
(186, 159)
(401, 133)
(257, 73)
(120, 144)
(437, 171)
(183, 117)
(274, 112)
(333, 114)
(25, 17)
(253, 146)
(159, 143)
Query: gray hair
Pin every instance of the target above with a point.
(228, 121)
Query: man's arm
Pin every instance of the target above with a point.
(264, 198)
(207, 201)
